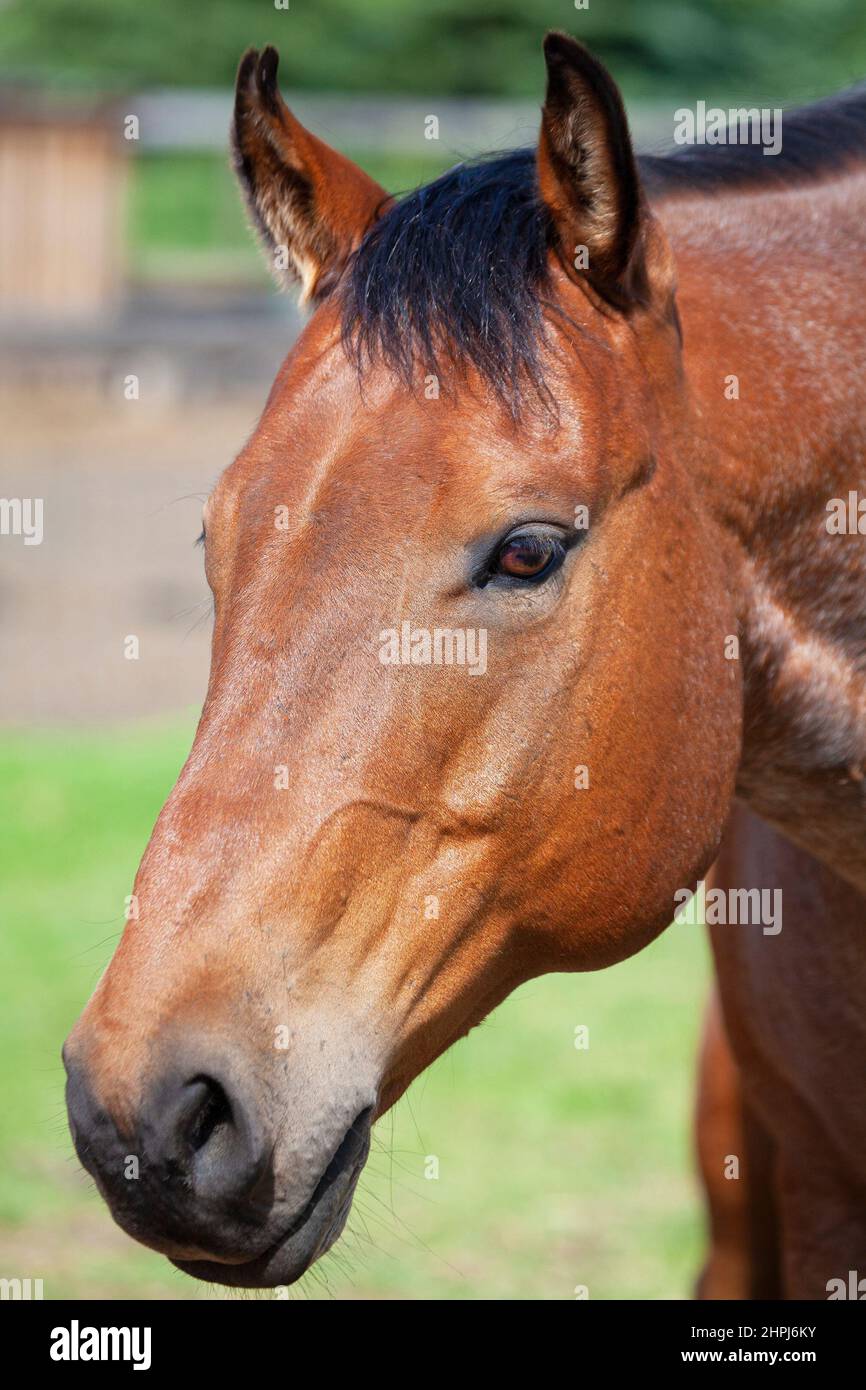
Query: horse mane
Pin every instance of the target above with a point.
(455, 273)
(818, 140)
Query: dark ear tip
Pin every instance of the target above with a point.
(568, 58)
(267, 70)
(246, 67)
(561, 48)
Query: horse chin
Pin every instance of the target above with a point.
(310, 1235)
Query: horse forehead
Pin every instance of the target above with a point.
(380, 438)
(325, 423)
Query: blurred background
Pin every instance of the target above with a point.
(139, 335)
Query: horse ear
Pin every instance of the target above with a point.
(589, 181)
(310, 204)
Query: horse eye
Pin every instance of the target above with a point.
(528, 556)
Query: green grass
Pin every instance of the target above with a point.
(557, 1167)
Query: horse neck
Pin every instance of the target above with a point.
(775, 350)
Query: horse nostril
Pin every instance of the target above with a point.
(214, 1112)
(204, 1177)
(206, 1141)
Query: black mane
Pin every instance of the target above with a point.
(456, 272)
(821, 139)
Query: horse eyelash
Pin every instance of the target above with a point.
(200, 538)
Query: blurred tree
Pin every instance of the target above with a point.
(657, 48)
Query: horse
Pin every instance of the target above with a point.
(529, 609)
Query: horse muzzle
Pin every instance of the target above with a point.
(206, 1169)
